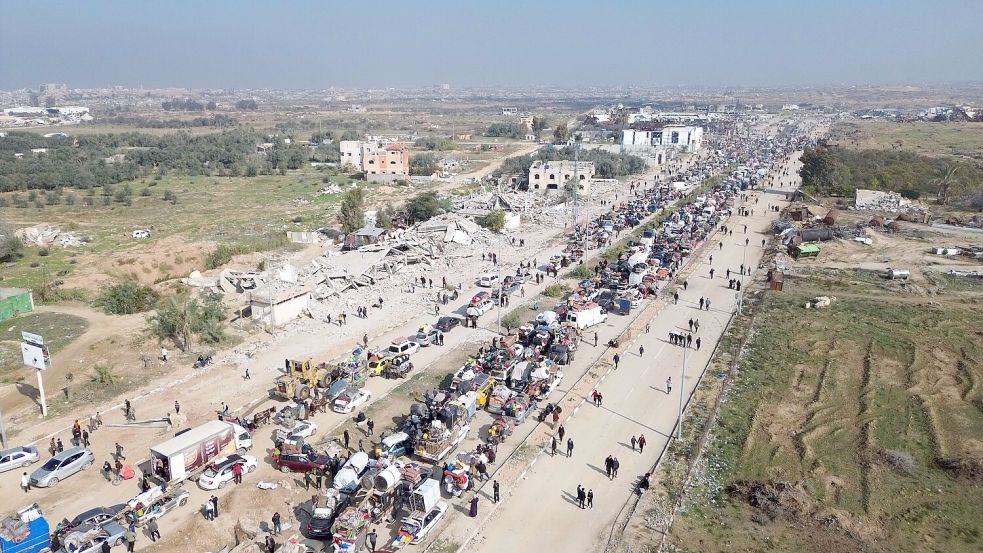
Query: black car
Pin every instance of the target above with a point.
(445, 324)
(322, 518)
(97, 515)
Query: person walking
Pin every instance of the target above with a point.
(270, 543)
(372, 538)
(641, 443)
(473, 511)
(569, 447)
(495, 491)
(237, 473)
(131, 537)
(641, 351)
(53, 447)
(633, 442)
(60, 446)
(617, 359)
(209, 510)
(365, 340)
(607, 466)
(697, 344)
(668, 385)
(708, 302)
(177, 407)
(689, 340)
(615, 465)
(581, 496)
(595, 339)
(561, 431)
(85, 438)
(711, 274)
(553, 446)
(696, 325)
(370, 424)
(691, 325)
(163, 354)
(214, 500)
(590, 498)
(153, 530)
(675, 298)
(701, 303)
(276, 523)
(25, 482)
(345, 437)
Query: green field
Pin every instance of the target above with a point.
(58, 330)
(962, 140)
(850, 428)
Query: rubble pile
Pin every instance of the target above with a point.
(45, 235)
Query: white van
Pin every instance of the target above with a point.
(487, 280)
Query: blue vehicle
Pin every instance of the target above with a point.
(27, 531)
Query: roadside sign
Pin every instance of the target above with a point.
(36, 355)
(33, 338)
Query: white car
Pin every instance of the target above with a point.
(349, 400)
(418, 527)
(220, 473)
(483, 307)
(300, 429)
(403, 346)
(488, 280)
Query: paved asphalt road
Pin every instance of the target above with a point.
(541, 513)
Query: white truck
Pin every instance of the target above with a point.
(190, 451)
(586, 317)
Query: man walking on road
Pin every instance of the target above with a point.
(370, 424)
(495, 491)
(697, 344)
(131, 537)
(641, 351)
(561, 431)
(595, 339)
(615, 465)
(153, 530)
(701, 303)
(617, 358)
(581, 496)
(608, 461)
(346, 437)
(708, 304)
(569, 447)
(590, 499)
(372, 537)
(25, 482)
(668, 385)
(553, 446)
(641, 443)
(675, 298)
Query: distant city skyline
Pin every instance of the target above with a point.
(316, 45)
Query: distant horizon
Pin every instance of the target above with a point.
(310, 45)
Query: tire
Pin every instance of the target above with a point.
(302, 412)
(53, 482)
(26, 464)
(87, 465)
(285, 469)
(251, 469)
(223, 484)
(303, 392)
(183, 502)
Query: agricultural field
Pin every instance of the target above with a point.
(958, 140)
(849, 428)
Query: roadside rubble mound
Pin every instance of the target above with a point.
(776, 499)
(48, 235)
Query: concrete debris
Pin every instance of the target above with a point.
(881, 201)
(329, 189)
(864, 240)
(45, 235)
(821, 302)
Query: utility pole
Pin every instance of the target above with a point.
(682, 392)
(3, 431)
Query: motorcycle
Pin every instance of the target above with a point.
(546, 411)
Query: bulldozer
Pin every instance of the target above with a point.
(300, 379)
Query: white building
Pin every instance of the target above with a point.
(679, 137)
(351, 153)
(554, 175)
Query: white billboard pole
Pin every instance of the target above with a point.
(36, 355)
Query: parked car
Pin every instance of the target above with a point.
(420, 526)
(90, 537)
(62, 466)
(220, 473)
(97, 515)
(350, 399)
(298, 462)
(483, 307)
(487, 280)
(445, 324)
(18, 457)
(377, 364)
(403, 345)
(427, 335)
(301, 429)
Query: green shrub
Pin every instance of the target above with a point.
(556, 290)
(127, 297)
(44, 252)
(494, 221)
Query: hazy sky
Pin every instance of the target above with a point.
(376, 43)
